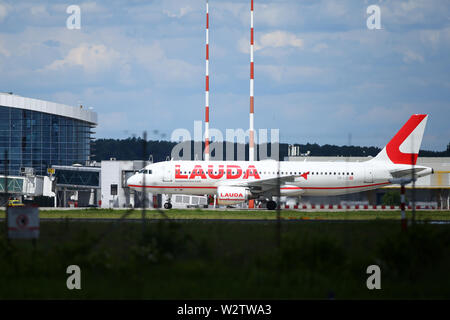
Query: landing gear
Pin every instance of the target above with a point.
(271, 205)
(167, 205)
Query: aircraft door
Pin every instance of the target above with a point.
(368, 175)
(168, 173)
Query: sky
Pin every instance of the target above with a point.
(321, 75)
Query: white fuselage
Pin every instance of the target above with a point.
(238, 181)
(310, 178)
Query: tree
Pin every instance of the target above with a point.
(391, 198)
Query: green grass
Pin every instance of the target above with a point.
(242, 214)
(228, 260)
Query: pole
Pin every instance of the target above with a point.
(402, 206)
(251, 155)
(207, 87)
(413, 176)
(144, 198)
(6, 194)
(251, 151)
(278, 207)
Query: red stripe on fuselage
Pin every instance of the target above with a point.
(291, 188)
(349, 187)
(184, 187)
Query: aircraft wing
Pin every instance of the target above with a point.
(267, 184)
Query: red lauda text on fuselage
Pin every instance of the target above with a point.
(232, 172)
(231, 195)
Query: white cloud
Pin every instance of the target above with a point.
(275, 39)
(410, 57)
(435, 38)
(3, 50)
(39, 10)
(285, 74)
(92, 7)
(279, 39)
(3, 11)
(335, 8)
(178, 13)
(154, 59)
(178, 9)
(414, 12)
(113, 120)
(272, 15)
(319, 47)
(91, 57)
(275, 14)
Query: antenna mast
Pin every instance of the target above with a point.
(251, 155)
(207, 87)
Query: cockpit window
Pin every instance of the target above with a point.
(145, 171)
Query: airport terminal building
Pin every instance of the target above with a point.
(38, 134)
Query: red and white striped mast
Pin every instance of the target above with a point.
(251, 151)
(207, 87)
(251, 156)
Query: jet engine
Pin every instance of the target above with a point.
(232, 195)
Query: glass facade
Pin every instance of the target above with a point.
(40, 140)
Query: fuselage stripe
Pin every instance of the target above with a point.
(178, 187)
(296, 188)
(348, 187)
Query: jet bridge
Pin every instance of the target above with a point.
(28, 186)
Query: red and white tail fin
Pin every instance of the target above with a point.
(405, 145)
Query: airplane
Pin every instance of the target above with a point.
(235, 182)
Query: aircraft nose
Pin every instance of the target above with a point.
(132, 181)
